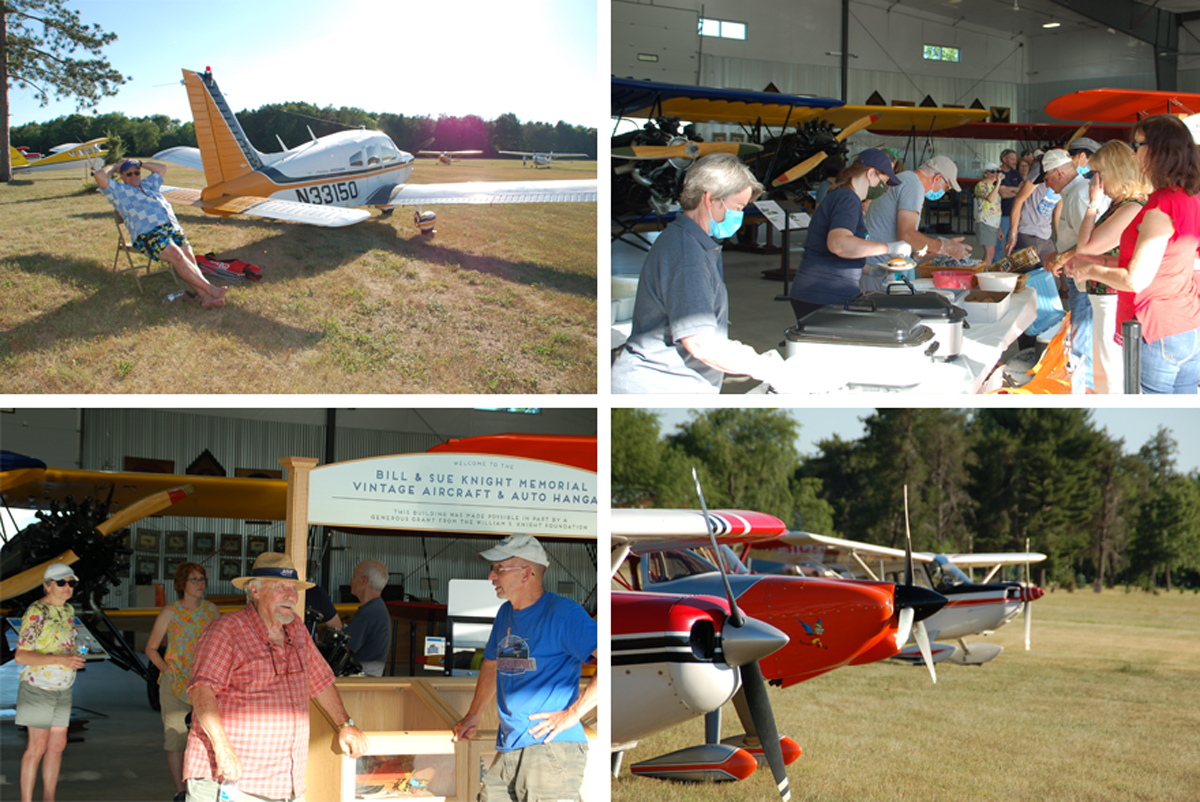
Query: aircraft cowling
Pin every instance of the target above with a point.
(638, 187)
(782, 153)
(668, 664)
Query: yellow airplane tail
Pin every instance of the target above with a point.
(224, 146)
(17, 157)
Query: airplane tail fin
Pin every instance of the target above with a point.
(17, 157)
(224, 146)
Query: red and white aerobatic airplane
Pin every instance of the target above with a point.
(972, 608)
(674, 653)
(321, 182)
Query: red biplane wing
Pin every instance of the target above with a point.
(1121, 105)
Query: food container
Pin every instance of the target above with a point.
(997, 282)
(624, 286)
(946, 320)
(953, 279)
(622, 309)
(1025, 258)
(873, 347)
(983, 306)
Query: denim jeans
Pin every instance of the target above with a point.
(1081, 338)
(1172, 364)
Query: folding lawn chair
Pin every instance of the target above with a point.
(125, 246)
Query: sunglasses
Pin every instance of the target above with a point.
(61, 582)
(132, 172)
(1136, 145)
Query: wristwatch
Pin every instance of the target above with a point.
(347, 723)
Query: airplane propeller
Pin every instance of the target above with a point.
(1028, 604)
(914, 599)
(753, 685)
(810, 164)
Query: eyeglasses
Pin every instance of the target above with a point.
(499, 569)
(61, 582)
(132, 172)
(199, 579)
(1136, 145)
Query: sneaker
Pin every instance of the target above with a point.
(180, 797)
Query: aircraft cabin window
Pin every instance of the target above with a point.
(670, 565)
(357, 159)
(372, 155)
(390, 153)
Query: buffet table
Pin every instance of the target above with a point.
(983, 345)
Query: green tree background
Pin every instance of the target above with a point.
(978, 481)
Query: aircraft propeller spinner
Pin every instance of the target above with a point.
(753, 685)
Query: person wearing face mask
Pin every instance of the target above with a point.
(837, 247)
(680, 337)
(897, 216)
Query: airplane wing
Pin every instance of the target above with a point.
(214, 496)
(985, 560)
(685, 529)
(797, 546)
(450, 152)
(182, 156)
(291, 211)
(1033, 132)
(902, 120)
(632, 98)
(488, 192)
(1121, 105)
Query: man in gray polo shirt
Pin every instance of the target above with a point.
(897, 216)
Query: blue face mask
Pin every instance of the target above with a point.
(935, 194)
(727, 227)
(1083, 171)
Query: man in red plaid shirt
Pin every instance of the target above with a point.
(253, 675)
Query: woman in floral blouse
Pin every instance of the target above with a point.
(181, 622)
(46, 650)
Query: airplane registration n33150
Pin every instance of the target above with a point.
(323, 181)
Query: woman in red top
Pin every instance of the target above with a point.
(1154, 269)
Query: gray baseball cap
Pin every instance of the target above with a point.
(524, 547)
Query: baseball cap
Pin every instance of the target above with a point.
(128, 163)
(58, 571)
(945, 166)
(1083, 143)
(524, 547)
(873, 157)
(990, 166)
(1054, 158)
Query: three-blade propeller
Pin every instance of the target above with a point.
(911, 599)
(753, 685)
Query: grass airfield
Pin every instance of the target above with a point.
(1106, 706)
(501, 300)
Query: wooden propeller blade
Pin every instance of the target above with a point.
(1078, 132)
(29, 579)
(810, 164)
(144, 508)
(686, 150)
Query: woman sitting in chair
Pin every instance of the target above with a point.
(152, 223)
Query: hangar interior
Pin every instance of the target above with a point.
(251, 442)
(1014, 56)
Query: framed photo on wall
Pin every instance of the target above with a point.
(204, 544)
(230, 569)
(256, 545)
(147, 566)
(147, 540)
(177, 542)
(280, 545)
(231, 545)
(170, 566)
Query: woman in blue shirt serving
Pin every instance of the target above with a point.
(152, 223)
(837, 246)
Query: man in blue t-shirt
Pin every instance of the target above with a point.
(370, 629)
(532, 664)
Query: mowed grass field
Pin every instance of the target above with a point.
(501, 300)
(1105, 707)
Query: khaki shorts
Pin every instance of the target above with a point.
(174, 718)
(42, 709)
(539, 773)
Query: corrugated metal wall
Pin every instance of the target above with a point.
(108, 436)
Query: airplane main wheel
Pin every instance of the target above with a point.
(425, 221)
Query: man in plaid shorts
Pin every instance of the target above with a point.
(152, 223)
(532, 665)
(253, 675)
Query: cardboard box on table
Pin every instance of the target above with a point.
(407, 716)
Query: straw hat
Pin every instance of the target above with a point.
(273, 565)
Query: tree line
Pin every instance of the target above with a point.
(144, 136)
(978, 481)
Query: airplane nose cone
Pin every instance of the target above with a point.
(1032, 593)
(923, 601)
(752, 641)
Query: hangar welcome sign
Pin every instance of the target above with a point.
(471, 493)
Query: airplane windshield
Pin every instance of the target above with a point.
(945, 574)
(664, 566)
(732, 563)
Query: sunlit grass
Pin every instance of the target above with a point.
(503, 299)
(1105, 707)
